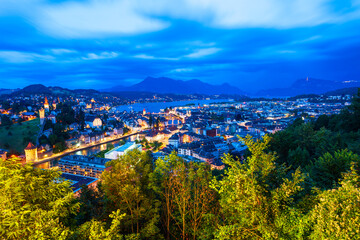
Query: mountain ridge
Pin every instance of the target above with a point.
(308, 86)
(168, 85)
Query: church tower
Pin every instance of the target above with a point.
(42, 116)
(54, 105)
(144, 112)
(46, 104)
(31, 153)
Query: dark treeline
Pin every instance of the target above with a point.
(300, 183)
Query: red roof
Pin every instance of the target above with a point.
(30, 146)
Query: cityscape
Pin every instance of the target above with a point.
(207, 120)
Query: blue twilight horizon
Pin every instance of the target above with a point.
(250, 44)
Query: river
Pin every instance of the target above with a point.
(85, 152)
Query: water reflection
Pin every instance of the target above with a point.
(85, 152)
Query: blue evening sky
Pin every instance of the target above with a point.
(253, 44)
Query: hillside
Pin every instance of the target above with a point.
(56, 91)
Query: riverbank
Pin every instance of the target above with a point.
(70, 151)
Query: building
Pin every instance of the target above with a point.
(46, 104)
(93, 122)
(52, 118)
(97, 122)
(42, 115)
(83, 165)
(31, 153)
(27, 116)
(121, 150)
(78, 181)
(174, 140)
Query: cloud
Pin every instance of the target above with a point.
(145, 56)
(103, 18)
(182, 70)
(60, 51)
(96, 18)
(103, 55)
(230, 14)
(23, 57)
(203, 52)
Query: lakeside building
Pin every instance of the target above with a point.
(83, 165)
(121, 150)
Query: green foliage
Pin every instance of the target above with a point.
(155, 145)
(126, 186)
(96, 230)
(66, 115)
(337, 215)
(326, 170)
(35, 204)
(188, 203)
(20, 136)
(300, 183)
(126, 130)
(256, 198)
(5, 120)
(91, 204)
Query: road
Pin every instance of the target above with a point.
(68, 151)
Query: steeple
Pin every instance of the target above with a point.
(46, 104)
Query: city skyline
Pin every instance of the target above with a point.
(100, 44)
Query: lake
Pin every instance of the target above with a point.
(155, 107)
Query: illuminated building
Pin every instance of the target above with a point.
(42, 116)
(46, 104)
(31, 153)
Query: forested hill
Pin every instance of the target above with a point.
(300, 183)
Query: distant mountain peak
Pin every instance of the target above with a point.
(172, 86)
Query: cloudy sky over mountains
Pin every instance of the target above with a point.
(250, 44)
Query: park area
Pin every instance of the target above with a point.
(17, 136)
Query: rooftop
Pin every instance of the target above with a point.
(122, 148)
(78, 180)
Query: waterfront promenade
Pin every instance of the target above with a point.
(86, 146)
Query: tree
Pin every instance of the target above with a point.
(336, 216)
(151, 121)
(66, 115)
(327, 169)
(126, 186)
(156, 145)
(97, 230)
(6, 121)
(48, 124)
(59, 147)
(34, 203)
(256, 197)
(187, 200)
(157, 123)
(91, 204)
